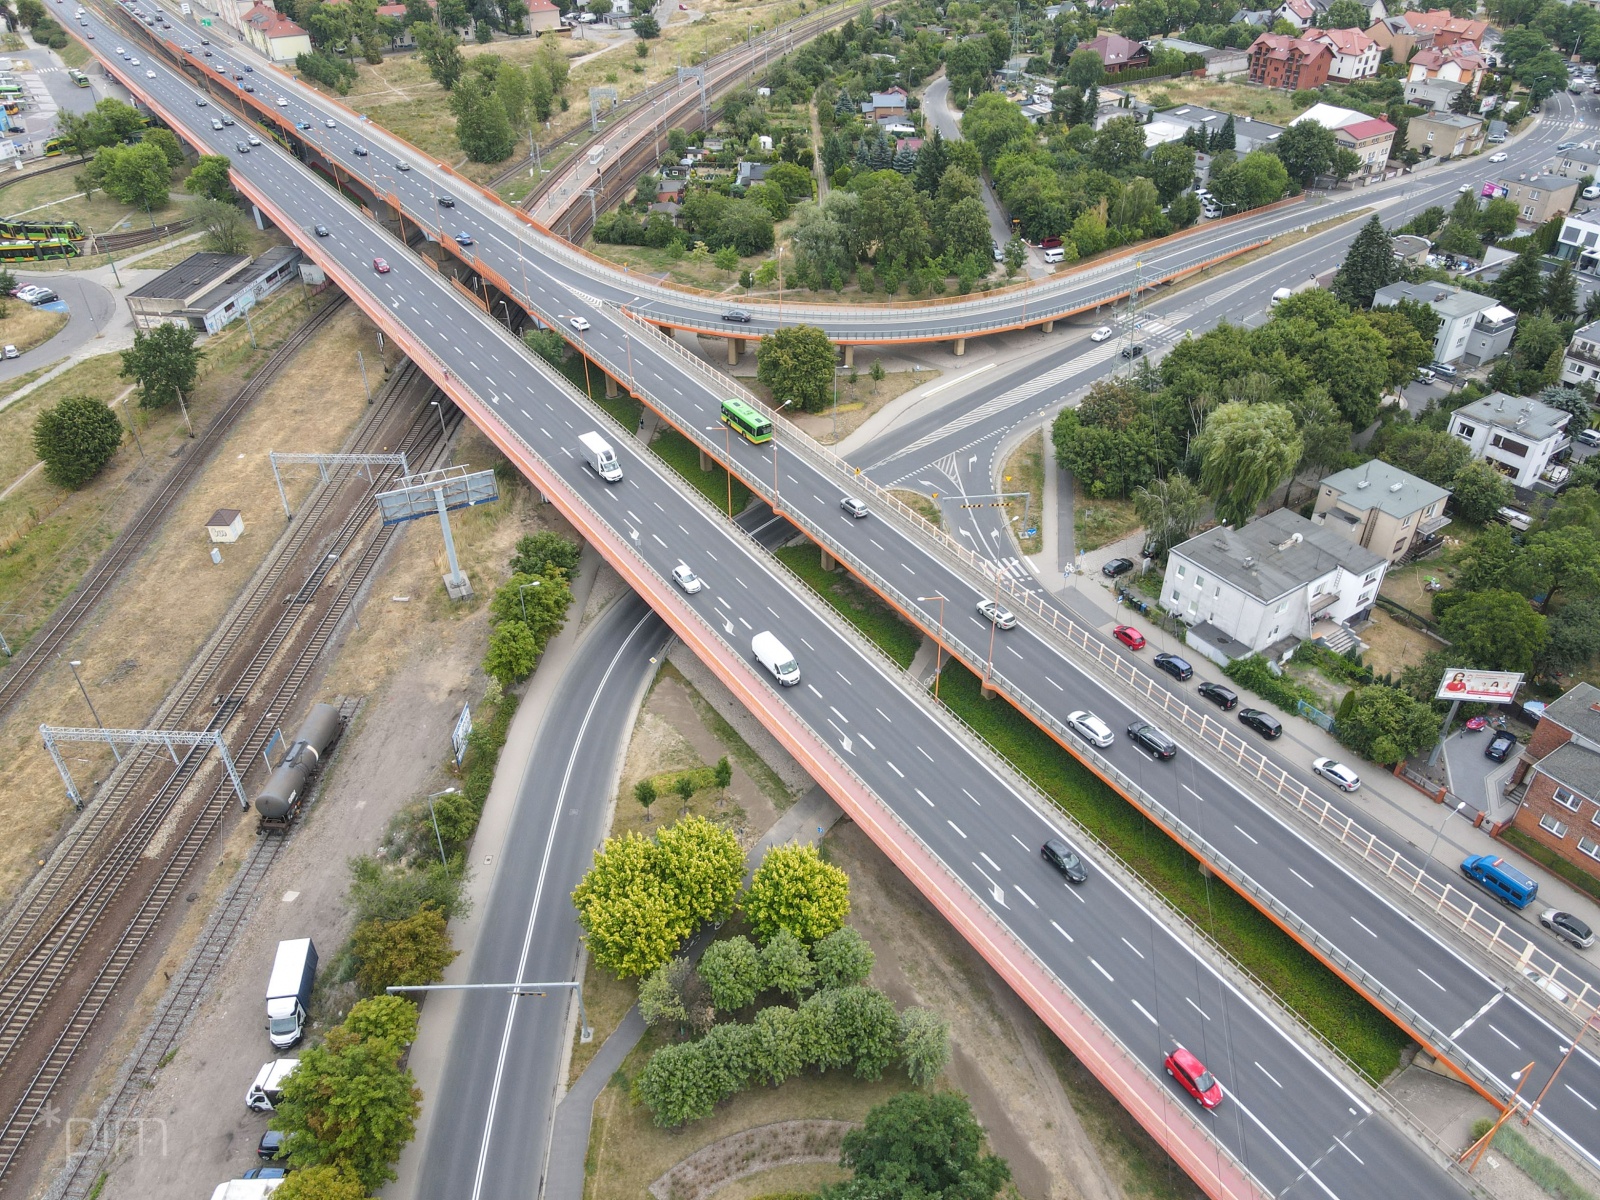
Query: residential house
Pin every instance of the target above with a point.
(1539, 198)
(1576, 163)
(1118, 53)
(1454, 64)
(1381, 507)
(1435, 95)
(1369, 137)
(1579, 242)
(1355, 55)
(1557, 780)
(1267, 587)
(542, 15)
(1460, 313)
(910, 145)
(1581, 363)
(1409, 248)
(885, 104)
(1445, 134)
(1292, 63)
(1302, 14)
(1261, 17)
(1448, 29)
(1219, 61)
(1399, 37)
(751, 173)
(1516, 436)
(671, 191)
(274, 34)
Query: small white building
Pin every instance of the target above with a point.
(1473, 328)
(225, 525)
(1581, 362)
(1355, 55)
(1263, 589)
(1516, 436)
(1580, 240)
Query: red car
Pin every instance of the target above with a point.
(1192, 1075)
(1129, 637)
(380, 266)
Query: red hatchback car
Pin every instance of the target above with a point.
(1129, 637)
(381, 267)
(1191, 1073)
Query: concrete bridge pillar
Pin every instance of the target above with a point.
(849, 356)
(734, 346)
(611, 388)
(1049, 326)
(961, 347)
(829, 563)
(986, 692)
(705, 461)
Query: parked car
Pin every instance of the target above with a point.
(1117, 566)
(1064, 859)
(1589, 437)
(1090, 728)
(1223, 697)
(1178, 668)
(1129, 637)
(1567, 927)
(1267, 725)
(11, 351)
(1003, 618)
(1500, 746)
(1152, 739)
(270, 1145)
(1336, 773)
(1193, 1078)
(851, 507)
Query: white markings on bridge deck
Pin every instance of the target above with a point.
(1253, 842)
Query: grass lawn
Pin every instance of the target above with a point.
(55, 197)
(1301, 982)
(920, 504)
(591, 380)
(683, 456)
(76, 54)
(855, 602)
(1024, 472)
(25, 327)
(1241, 99)
(1098, 523)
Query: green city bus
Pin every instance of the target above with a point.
(738, 415)
(78, 77)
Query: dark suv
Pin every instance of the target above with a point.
(1064, 859)
(1152, 739)
(1223, 697)
(1178, 668)
(1267, 725)
(1500, 746)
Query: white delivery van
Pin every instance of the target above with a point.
(599, 457)
(267, 1089)
(775, 657)
(1282, 294)
(246, 1189)
(1055, 254)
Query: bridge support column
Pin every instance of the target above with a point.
(734, 346)
(705, 461)
(960, 347)
(849, 356)
(986, 692)
(829, 563)
(611, 388)
(256, 212)
(1048, 326)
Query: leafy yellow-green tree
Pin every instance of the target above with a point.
(390, 1018)
(794, 889)
(797, 364)
(704, 862)
(414, 950)
(513, 653)
(329, 1181)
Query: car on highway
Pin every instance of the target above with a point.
(401, 164)
(1154, 740)
(253, 140)
(331, 123)
(199, 101)
(851, 507)
(1175, 666)
(1500, 746)
(1567, 927)
(1003, 618)
(737, 315)
(380, 266)
(1134, 351)
(1117, 566)
(1223, 697)
(1567, 145)
(1064, 859)
(579, 323)
(1499, 157)
(1101, 334)
(1267, 725)
(1129, 637)
(1336, 773)
(133, 62)
(149, 74)
(241, 148)
(121, 53)
(1464, 188)
(283, 102)
(320, 230)
(686, 579)
(444, 201)
(463, 239)
(1090, 728)
(227, 122)
(1193, 1077)
(302, 125)
(361, 152)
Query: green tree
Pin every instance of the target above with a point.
(412, 951)
(1521, 284)
(1169, 509)
(646, 26)
(168, 143)
(75, 438)
(967, 68)
(1561, 293)
(1489, 561)
(794, 890)
(137, 175)
(796, 363)
(224, 224)
(1494, 630)
(786, 966)
(1385, 724)
(1429, 453)
(326, 1181)
(632, 920)
(513, 653)
(1480, 491)
(1346, 162)
(537, 553)
(702, 861)
(1245, 451)
(1499, 217)
(1256, 179)
(645, 793)
(538, 604)
(966, 230)
(793, 180)
(722, 773)
(782, 1045)
(1573, 640)
(389, 1018)
(163, 361)
(866, 1023)
(1016, 255)
(1368, 265)
(1558, 562)
(441, 52)
(993, 124)
(350, 1106)
(482, 126)
(843, 959)
(924, 1045)
(1306, 150)
(1119, 146)
(732, 971)
(1110, 442)
(1172, 169)
(661, 999)
(677, 1085)
(1085, 69)
(921, 1143)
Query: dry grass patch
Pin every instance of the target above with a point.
(1241, 99)
(1024, 472)
(922, 505)
(56, 197)
(1098, 523)
(25, 327)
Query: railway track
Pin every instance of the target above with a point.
(24, 668)
(53, 953)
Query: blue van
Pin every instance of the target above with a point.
(1499, 878)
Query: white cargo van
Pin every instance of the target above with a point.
(1055, 254)
(775, 657)
(267, 1089)
(1282, 294)
(599, 457)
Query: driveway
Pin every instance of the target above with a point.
(1476, 779)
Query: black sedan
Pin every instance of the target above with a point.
(1064, 859)
(1267, 725)
(1223, 697)
(1117, 566)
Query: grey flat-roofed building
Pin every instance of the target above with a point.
(1513, 434)
(178, 288)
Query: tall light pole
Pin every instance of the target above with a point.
(449, 791)
(727, 437)
(938, 645)
(1566, 1053)
(523, 588)
(73, 664)
(1482, 1144)
(1439, 832)
(443, 432)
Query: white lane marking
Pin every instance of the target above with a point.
(924, 754)
(874, 541)
(747, 625)
(956, 827)
(741, 583)
(1197, 1008)
(1348, 1151)
(1363, 926)
(930, 803)
(840, 715)
(546, 432)
(1021, 843)
(836, 671)
(1145, 1011)
(1132, 947)
(1025, 896)
(1253, 842)
(1062, 932)
(984, 856)
(1288, 1153)
(659, 542)
(1470, 1021)
(973, 798)
(1301, 878)
(870, 746)
(1192, 792)
(1267, 1073)
(1581, 1097)
(1101, 969)
(1054, 684)
(808, 645)
(1495, 1029)
(1431, 979)
(895, 769)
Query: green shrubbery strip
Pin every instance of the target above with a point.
(1546, 1173)
(851, 599)
(683, 456)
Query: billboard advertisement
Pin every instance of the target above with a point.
(1483, 687)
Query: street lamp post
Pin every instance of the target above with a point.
(1566, 1053)
(1482, 1144)
(938, 645)
(727, 465)
(1439, 832)
(988, 666)
(449, 791)
(443, 432)
(585, 1030)
(73, 664)
(522, 588)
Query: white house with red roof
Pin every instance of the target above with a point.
(1302, 14)
(1371, 138)
(274, 34)
(543, 15)
(1460, 63)
(1355, 55)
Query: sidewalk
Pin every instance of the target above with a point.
(1397, 812)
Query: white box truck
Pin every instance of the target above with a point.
(599, 457)
(775, 657)
(246, 1189)
(267, 1089)
(294, 970)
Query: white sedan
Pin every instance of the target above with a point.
(1101, 334)
(685, 578)
(1500, 157)
(1090, 728)
(149, 74)
(283, 102)
(1003, 618)
(1336, 773)
(578, 323)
